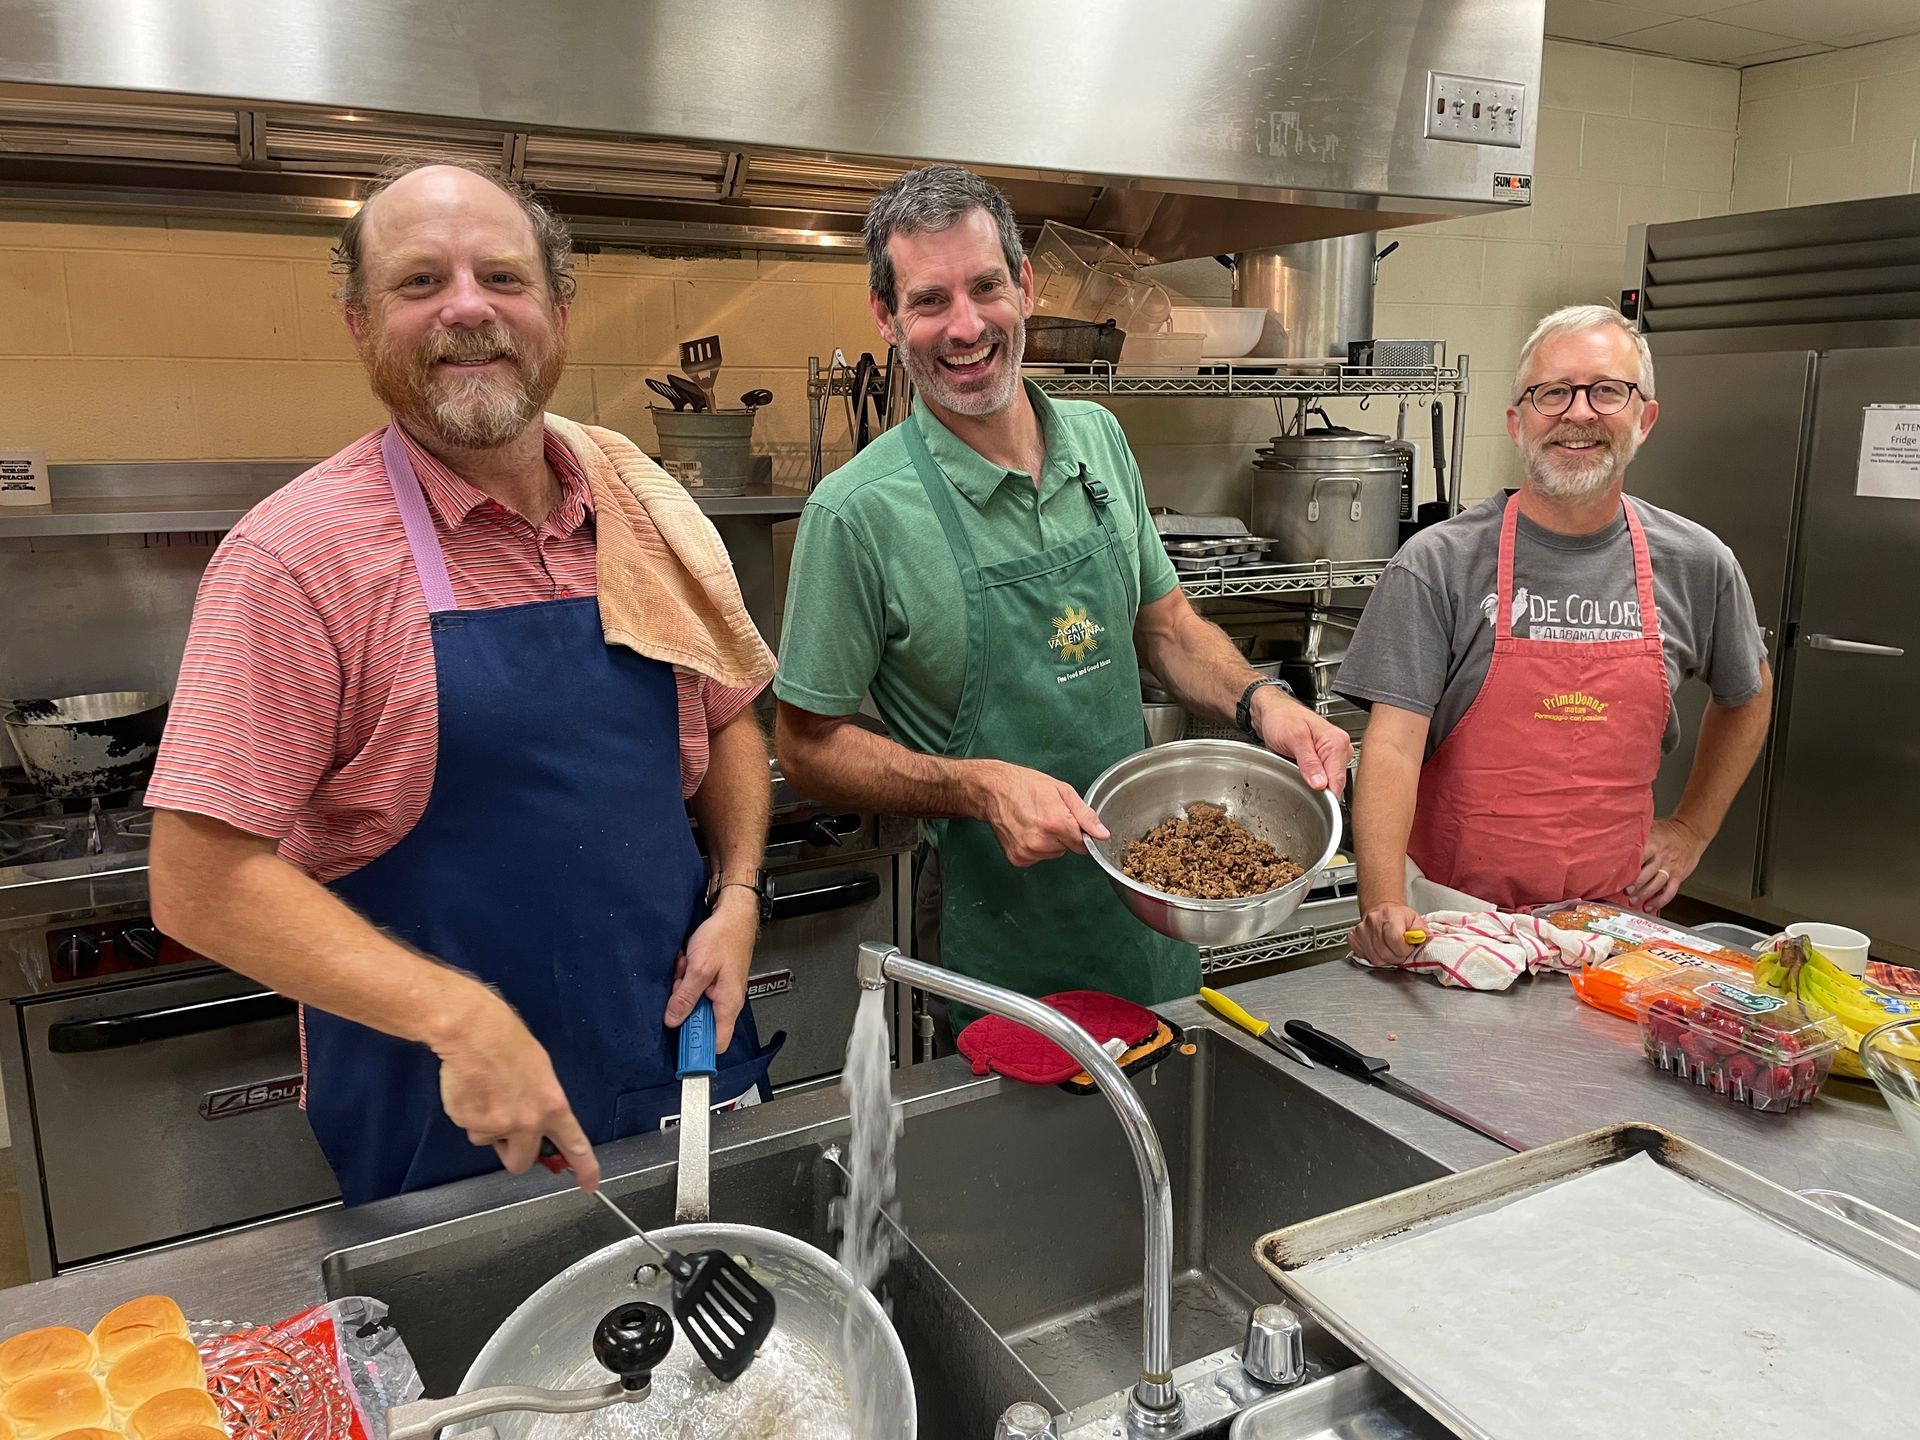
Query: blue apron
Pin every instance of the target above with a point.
(553, 861)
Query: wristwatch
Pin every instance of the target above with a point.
(761, 884)
(1243, 712)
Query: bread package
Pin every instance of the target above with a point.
(53, 1402)
(56, 1347)
(128, 1326)
(168, 1363)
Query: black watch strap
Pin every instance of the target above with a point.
(1243, 712)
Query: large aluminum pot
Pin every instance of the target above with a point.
(829, 1328)
(83, 745)
(1328, 495)
(1256, 787)
(1318, 295)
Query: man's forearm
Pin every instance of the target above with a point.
(1384, 795)
(1730, 741)
(840, 763)
(1196, 661)
(735, 797)
(231, 898)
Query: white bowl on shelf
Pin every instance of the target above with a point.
(1231, 330)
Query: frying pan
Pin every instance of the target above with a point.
(83, 745)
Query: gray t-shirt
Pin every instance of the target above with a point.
(1426, 638)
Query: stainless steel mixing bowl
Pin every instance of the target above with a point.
(1254, 786)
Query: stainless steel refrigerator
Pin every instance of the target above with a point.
(1778, 337)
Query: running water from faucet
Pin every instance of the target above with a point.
(866, 1238)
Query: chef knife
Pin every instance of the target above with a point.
(1336, 1053)
(1261, 1030)
(696, 1075)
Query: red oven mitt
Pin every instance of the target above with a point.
(1007, 1048)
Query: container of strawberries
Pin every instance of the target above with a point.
(1764, 1051)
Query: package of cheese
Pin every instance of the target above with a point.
(1603, 984)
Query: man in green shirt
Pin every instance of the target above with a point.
(988, 570)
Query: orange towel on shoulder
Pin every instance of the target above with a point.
(667, 587)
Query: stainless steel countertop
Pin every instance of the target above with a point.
(1533, 1061)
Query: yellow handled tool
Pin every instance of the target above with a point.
(1261, 1030)
(1415, 937)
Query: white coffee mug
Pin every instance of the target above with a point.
(23, 478)
(1845, 948)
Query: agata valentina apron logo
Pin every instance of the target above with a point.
(1575, 706)
(1075, 636)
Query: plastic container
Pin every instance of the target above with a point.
(1718, 1032)
(1604, 984)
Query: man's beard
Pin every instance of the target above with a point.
(933, 380)
(481, 411)
(1559, 475)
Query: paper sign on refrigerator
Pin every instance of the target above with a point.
(1890, 452)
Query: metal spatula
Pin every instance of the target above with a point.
(696, 1093)
(701, 361)
(723, 1311)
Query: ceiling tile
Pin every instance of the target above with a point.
(1592, 19)
(1876, 35)
(1822, 19)
(1798, 51)
(1676, 9)
(1707, 40)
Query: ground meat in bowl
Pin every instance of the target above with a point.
(1205, 855)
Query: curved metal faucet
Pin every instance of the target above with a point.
(1155, 1402)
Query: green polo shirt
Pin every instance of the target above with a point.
(873, 594)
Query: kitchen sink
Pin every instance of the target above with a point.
(1027, 1200)
(1020, 1277)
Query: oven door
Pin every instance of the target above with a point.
(802, 978)
(167, 1109)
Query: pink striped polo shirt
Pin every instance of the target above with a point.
(306, 708)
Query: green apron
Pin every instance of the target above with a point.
(1052, 683)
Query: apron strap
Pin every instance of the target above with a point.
(1643, 577)
(429, 562)
(939, 495)
(1503, 582)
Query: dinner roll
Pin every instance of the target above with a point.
(194, 1432)
(57, 1347)
(168, 1363)
(54, 1402)
(172, 1410)
(92, 1432)
(135, 1323)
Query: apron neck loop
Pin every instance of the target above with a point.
(428, 560)
(1096, 489)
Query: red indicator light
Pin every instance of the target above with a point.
(1476, 109)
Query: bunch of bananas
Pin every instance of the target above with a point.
(1826, 989)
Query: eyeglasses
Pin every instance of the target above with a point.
(1604, 397)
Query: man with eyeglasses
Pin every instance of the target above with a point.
(1519, 662)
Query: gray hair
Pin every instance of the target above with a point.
(550, 236)
(1571, 320)
(932, 199)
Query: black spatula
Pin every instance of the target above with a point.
(723, 1311)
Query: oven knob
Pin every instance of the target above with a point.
(139, 945)
(76, 954)
(822, 831)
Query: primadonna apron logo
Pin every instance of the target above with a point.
(1076, 636)
(1572, 706)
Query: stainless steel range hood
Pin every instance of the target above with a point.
(1176, 130)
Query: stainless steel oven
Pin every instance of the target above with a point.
(163, 1109)
(802, 978)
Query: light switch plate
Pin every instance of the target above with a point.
(1475, 111)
